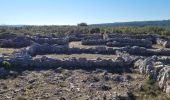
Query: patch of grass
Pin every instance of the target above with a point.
(7, 50)
(21, 98)
(150, 91)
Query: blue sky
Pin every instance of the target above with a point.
(71, 12)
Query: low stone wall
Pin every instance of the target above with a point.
(132, 36)
(20, 42)
(60, 41)
(94, 42)
(17, 42)
(118, 42)
(135, 50)
(21, 61)
(78, 37)
(37, 49)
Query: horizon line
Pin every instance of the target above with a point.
(80, 22)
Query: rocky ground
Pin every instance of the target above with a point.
(63, 84)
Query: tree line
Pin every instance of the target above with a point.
(85, 29)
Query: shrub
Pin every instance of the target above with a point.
(82, 24)
(6, 65)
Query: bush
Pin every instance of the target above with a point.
(6, 65)
(82, 24)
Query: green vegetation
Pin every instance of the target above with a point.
(149, 90)
(6, 65)
(82, 24)
(82, 28)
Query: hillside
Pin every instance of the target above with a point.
(164, 23)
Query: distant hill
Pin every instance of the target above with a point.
(164, 23)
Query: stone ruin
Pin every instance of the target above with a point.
(24, 59)
(133, 51)
(38, 49)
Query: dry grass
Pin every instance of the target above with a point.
(7, 50)
(79, 45)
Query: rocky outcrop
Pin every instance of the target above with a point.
(146, 66)
(156, 70)
(164, 79)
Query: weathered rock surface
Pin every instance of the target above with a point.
(164, 42)
(164, 79)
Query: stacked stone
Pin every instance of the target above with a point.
(44, 62)
(72, 38)
(60, 41)
(91, 37)
(36, 49)
(17, 42)
(45, 48)
(136, 50)
(132, 36)
(121, 42)
(93, 42)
